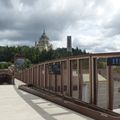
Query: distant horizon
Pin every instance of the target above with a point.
(64, 48)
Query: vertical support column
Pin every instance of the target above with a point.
(61, 70)
(95, 80)
(24, 77)
(37, 75)
(44, 73)
(32, 76)
(49, 78)
(40, 76)
(55, 83)
(69, 78)
(41, 79)
(91, 80)
(110, 88)
(80, 77)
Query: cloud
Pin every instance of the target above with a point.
(6, 3)
(113, 26)
(10, 34)
(29, 2)
(42, 15)
(6, 42)
(93, 24)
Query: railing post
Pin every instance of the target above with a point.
(80, 77)
(110, 88)
(91, 80)
(95, 80)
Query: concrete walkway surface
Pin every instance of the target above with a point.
(19, 105)
(13, 107)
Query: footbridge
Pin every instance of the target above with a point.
(88, 84)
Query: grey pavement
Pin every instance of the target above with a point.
(16, 104)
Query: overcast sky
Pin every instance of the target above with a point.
(93, 24)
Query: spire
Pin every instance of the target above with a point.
(44, 31)
(44, 36)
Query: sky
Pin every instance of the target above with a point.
(93, 24)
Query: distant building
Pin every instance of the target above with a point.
(69, 44)
(43, 43)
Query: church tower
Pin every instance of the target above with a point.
(69, 44)
(43, 43)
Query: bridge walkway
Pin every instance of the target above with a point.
(16, 104)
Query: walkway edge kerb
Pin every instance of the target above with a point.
(73, 106)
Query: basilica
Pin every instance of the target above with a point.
(43, 43)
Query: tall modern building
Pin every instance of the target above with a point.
(43, 43)
(69, 44)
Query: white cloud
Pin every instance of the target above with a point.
(9, 33)
(6, 42)
(94, 25)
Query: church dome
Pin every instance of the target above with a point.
(44, 36)
(43, 43)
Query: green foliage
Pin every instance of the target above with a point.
(27, 63)
(4, 65)
(34, 55)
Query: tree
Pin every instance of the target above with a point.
(34, 55)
